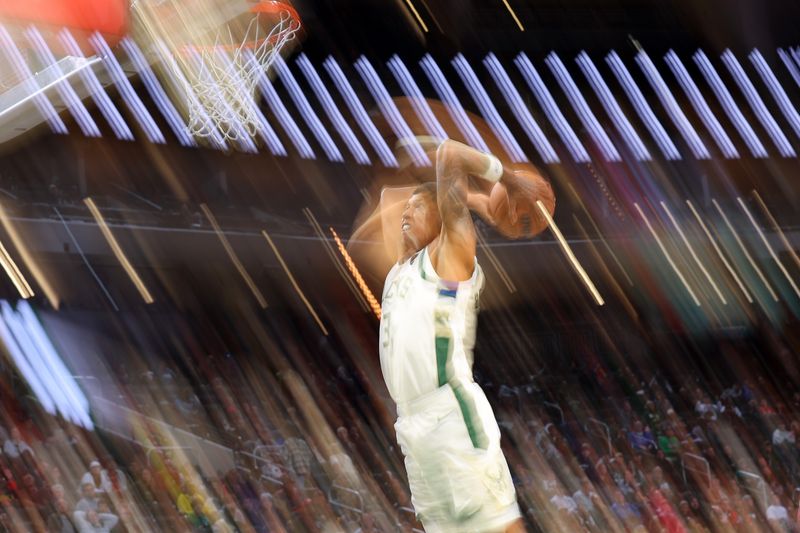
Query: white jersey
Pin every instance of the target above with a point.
(459, 479)
(427, 330)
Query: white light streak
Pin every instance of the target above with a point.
(157, 92)
(542, 94)
(11, 51)
(134, 103)
(757, 105)
(582, 108)
(666, 254)
(641, 106)
(778, 93)
(725, 262)
(391, 113)
(306, 111)
(332, 110)
(621, 122)
(357, 109)
(699, 103)
(488, 110)
(768, 246)
(415, 96)
(85, 121)
(101, 99)
(282, 114)
(673, 109)
(694, 254)
(454, 107)
(744, 250)
(729, 105)
(521, 111)
(565, 247)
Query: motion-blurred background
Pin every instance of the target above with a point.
(182, 329)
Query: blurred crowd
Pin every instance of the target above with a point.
(596, 443)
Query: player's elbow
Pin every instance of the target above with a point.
(448, 153)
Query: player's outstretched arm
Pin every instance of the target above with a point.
(454, 254)
(375, 243)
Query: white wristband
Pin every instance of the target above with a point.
(495, 170)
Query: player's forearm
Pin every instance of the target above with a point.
(452, 168)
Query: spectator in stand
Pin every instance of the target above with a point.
(92, 514)
(765, 409)
(658, 482)
(782, 436)
(626, 512)
(706, 409)
(637, 467)
(651, 414)
(562, 502)
(199, 515)
(778, 515)
(690, 519)
(31, 491)
(60, 520)
(88, 501)
(368, 524)
(589, 503)
(96, 522)
(298, 457)
(15, 447)
(270, 513)
(669, 444)
(98, 477)
(749, 514)
(641, 439)
(663, 511)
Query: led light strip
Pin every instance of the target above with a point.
(521, 111)
(641, 106)
(613, 109)
(699, 103)
(306, 111)
(332, 110)
(76, 108)
(391, 113)
(488, 110)
(778, 93)
(357, 109)
(757, 105)
(542, 94)
(9, 47)
(415, 96)
(673, 109)
(454, 107)
(729, 105)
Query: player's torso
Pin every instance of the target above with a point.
(427, 328)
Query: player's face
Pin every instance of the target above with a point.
(420, 222)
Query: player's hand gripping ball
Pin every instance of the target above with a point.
(512, 204)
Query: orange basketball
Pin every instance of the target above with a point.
(530, 220)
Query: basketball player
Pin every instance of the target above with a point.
(446, 429)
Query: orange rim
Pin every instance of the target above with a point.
(270, 7)
(276, 8)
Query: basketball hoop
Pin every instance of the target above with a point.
(219, 70)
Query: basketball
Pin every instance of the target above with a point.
(530, 220)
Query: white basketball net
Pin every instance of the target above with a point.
(220, 80)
